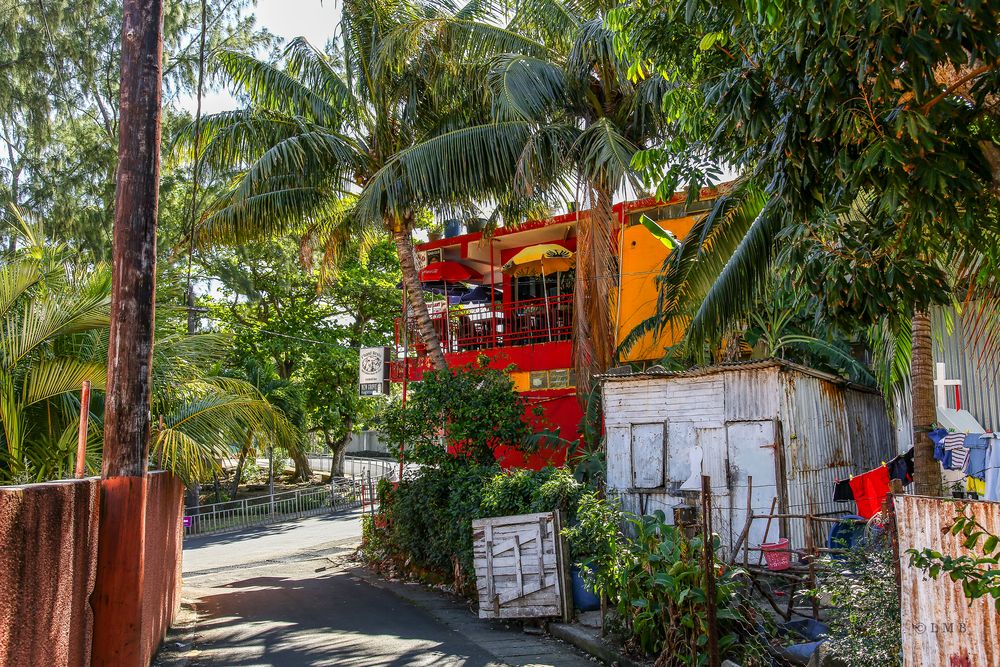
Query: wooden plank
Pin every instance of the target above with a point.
(509, 520)
(490, 592)
(517, 566)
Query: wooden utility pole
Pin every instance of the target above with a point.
(118, 592)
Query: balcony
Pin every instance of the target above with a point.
(485, 326)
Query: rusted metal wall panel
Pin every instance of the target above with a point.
(751, 394)
(939, 624)
(830, 431)
(48, 559)
(873, 437)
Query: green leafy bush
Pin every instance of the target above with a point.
(472, 411)
(864, 620)
(428, 519)
(655, 582)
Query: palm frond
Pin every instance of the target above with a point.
(273, 89)
(525, 88)
(605, 156)
(475, 161)
(48, 378)
(16, 278)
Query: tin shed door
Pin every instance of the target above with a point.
(520, 566)
(751, 454)
(647, 455)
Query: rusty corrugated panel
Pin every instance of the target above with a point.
(751, 393)
(817, 447)
(939, 624)
(873, 438)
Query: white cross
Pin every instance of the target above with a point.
(941, 384)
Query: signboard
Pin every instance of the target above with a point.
(187, 522)
(373, 379)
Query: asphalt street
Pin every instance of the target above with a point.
(289, 594)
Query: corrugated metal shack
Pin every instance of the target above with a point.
(795, 430)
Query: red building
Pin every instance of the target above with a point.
(524, 318)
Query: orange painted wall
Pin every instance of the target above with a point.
(642, 255)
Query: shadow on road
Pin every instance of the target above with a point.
(312, 618)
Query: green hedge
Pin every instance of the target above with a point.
(429, 518)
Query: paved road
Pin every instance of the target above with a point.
(289, 595)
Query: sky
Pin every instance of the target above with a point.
(316, 20)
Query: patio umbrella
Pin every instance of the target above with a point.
(541, 259)
(482, 294)
(448, 272)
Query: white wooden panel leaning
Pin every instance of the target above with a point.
(521, 569)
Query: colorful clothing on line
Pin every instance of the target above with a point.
(992, 482)
(842, 492)
(975, 463)
(955, 451)
(977, 486)
(870, 490)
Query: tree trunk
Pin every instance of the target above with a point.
(593, 339)
(415, 293)
(303, 473)
(118, 590)
(244, 450)
(926, 472)
(339, 448)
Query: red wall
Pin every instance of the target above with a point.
(48, 561)
(162, 558)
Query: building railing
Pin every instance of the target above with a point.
(339, 494)
(466, 327)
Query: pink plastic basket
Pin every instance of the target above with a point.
(777, 554)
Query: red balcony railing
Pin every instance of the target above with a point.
(482, 326)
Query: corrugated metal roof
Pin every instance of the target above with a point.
(940, 626)
(618, 375)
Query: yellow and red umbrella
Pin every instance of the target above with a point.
(541, 259)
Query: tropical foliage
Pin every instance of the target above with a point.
(870, 129)
(54, 313)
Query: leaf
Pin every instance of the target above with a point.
(663, 235)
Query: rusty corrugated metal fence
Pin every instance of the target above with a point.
(939, 624)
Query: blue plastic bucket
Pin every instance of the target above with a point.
(584, 598)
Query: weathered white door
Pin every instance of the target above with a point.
(520, 567)
(751, 454)
(715, 463)
(647, 455)
(619, 458)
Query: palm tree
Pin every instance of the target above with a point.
(323, 133)
(54, 318)
(563, 100)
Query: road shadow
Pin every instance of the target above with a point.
(324, 619)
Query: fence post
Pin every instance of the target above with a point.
(709, 566)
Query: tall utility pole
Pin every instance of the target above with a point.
(117, 599)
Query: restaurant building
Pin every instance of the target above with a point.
(509, 297)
